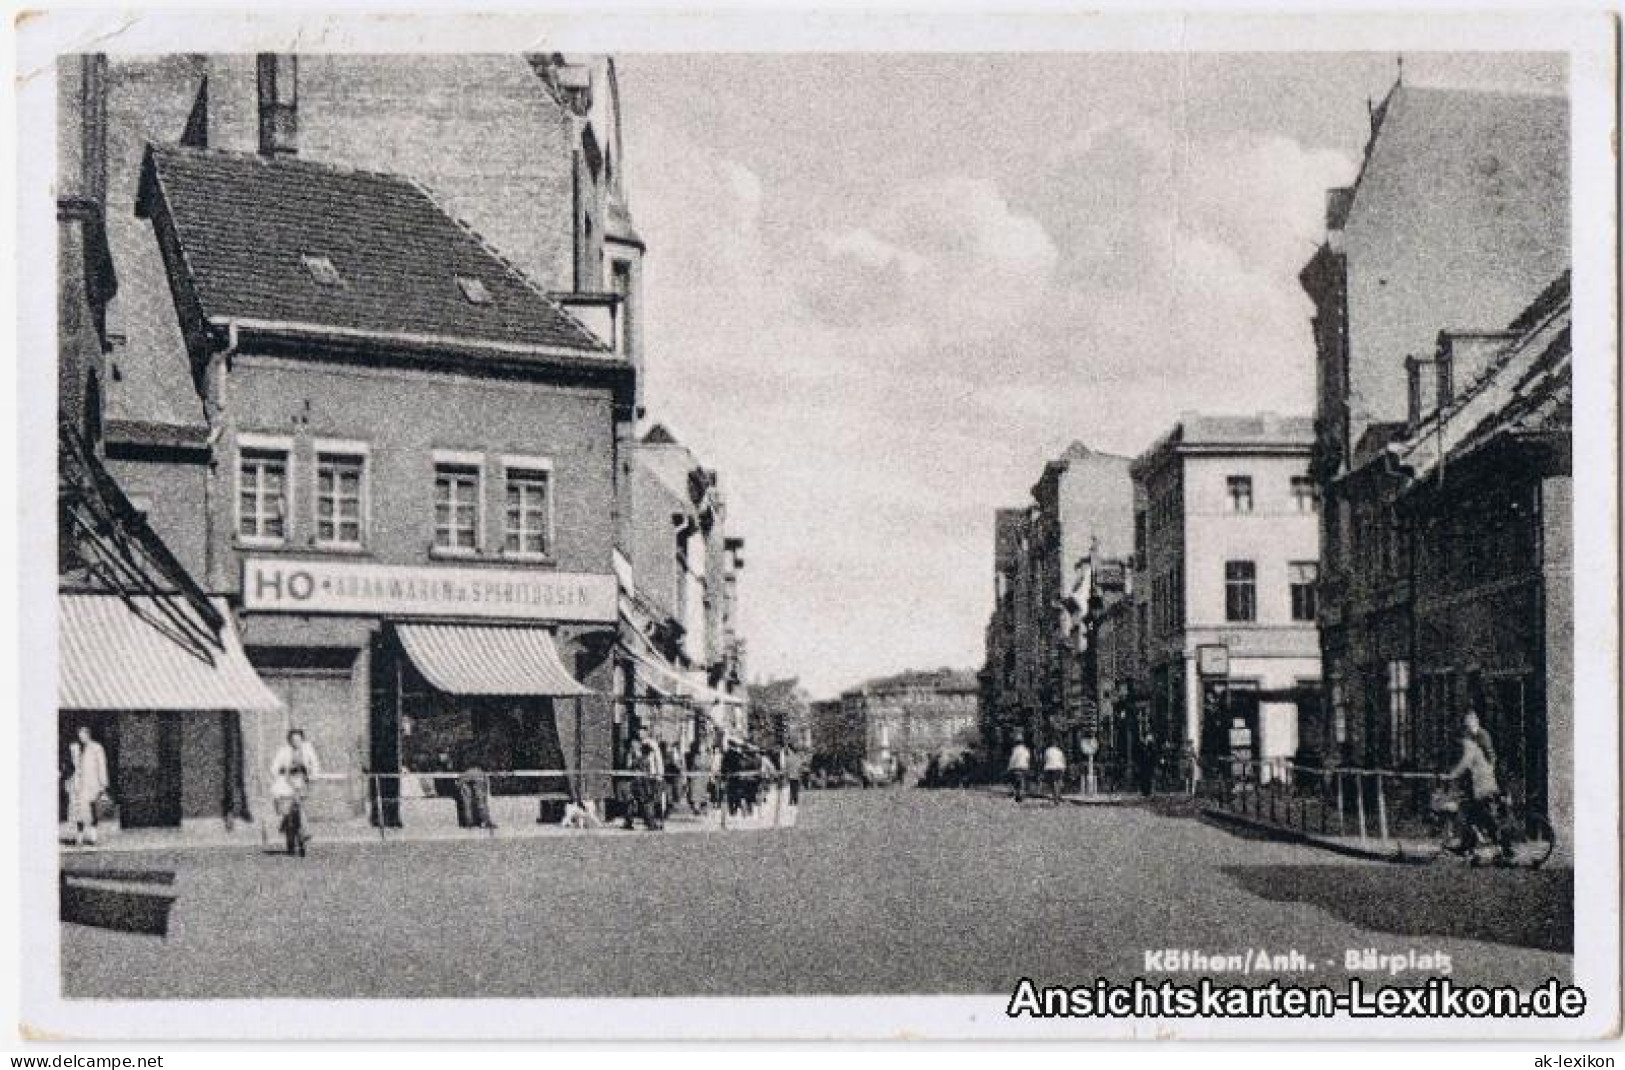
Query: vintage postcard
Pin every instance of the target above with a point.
(853, 526)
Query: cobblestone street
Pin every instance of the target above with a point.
(884, 891)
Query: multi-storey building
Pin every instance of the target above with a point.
(1033, 679)
(297, 277)
(1435, 275)
(1228, 575)
(683, 671)
(1460, 567)
(905, 718)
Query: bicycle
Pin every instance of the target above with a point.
(1528, 835)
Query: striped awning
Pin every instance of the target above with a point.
(132, 654)
(463, 659)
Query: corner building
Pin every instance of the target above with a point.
(413, 485)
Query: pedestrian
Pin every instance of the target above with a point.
(1146, 764)
(87, 786)
(1054, 772)
(1481, 816)
(637, 793)
(768, 775)
(292, 768)
(792, 774)
(1020, 764)
(699, 777)
(676, 784)
(733, 766)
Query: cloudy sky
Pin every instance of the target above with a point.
(882, 290)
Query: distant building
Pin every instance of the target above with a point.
(780, 715)
(683, 666)
(1229, 576)
(1032, 678)
(908, 717)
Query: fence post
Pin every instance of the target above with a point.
(1382, 810)
(378, 804)
(1342, 823)
(778, 801)
(1359, 803)
(490, 826)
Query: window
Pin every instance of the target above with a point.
(1340, 710)
(340, 501)
(528, 527)
(1306, 494)
(473, 290)
(621, 284)
(1303, 575)
(322, 270)
(457, 508)
(1241, 493)
(262, 494)
(1240, 591)
(1399, 709)
(1139, 538)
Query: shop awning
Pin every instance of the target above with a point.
(128, 654)
(462, 659)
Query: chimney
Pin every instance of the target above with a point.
(279, 104)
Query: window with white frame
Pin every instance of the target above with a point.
(262, 492)
(1340, 710)
(457, 507)
(528, 527)
(341, 506)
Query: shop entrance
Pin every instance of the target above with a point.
(149, 770)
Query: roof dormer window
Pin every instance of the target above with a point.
(322, 271)
(474, 290)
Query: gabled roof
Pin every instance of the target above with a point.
(249, 227)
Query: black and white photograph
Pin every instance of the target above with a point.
(968, 527)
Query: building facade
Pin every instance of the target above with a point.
(1228, 576)
(907, 718)
(683, 671)
(287, 283)
(1033, 677)
(1435, 596)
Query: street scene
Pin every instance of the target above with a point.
(546, 525)
(894, 890)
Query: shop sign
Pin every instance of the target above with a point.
(354, 588)
(1213, 660)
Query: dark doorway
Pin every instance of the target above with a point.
(149, 770)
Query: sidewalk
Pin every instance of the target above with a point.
(512, 825)
(1393, 849)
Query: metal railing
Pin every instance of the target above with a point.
(482, 801)
(1382, 808)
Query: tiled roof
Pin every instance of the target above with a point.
(247, 224)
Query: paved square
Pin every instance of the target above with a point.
(884, 891)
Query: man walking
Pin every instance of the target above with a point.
(1021, 760)
(1054, 772)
